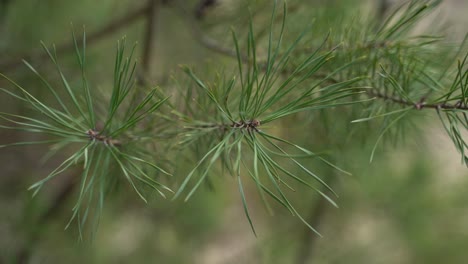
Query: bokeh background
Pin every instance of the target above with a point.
(410, 205)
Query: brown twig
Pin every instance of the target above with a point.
(96, 136)
(420, 104)
(250, 125)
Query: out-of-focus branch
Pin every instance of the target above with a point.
(382, 8)
(316, 215)
(112, 27)
(201, 37)
(308, 239)
(152, 13)
(202, 6)
(23, 255)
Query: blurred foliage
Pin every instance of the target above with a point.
(407, 206)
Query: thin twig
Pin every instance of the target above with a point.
(96, 136)
(248, 125)
(420, 104)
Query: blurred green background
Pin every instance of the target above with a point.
(408, 206)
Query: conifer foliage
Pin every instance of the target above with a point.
(224, 123)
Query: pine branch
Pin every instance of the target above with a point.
(222, 118)
(114, 146)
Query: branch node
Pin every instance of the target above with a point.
(249, 125)
(419, 105)
(95, 135)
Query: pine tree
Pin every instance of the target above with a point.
(290, 95)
